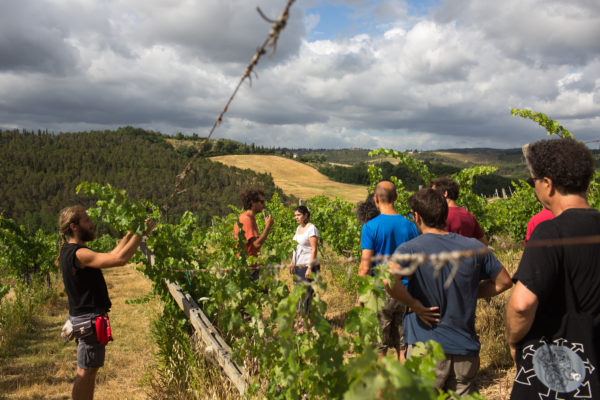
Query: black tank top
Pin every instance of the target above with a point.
(85, 287)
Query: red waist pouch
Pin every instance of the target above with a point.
(103, 330)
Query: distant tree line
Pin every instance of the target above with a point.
(220, 147)
(39, 172)
(357, 174)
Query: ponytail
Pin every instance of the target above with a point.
(67, 216)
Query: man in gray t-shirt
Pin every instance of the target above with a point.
(446, 315)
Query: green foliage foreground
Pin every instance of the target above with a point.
(257, 318)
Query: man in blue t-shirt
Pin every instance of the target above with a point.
(446, 315)
(381, 236)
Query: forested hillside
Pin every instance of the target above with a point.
(39, 173)
(358, 174)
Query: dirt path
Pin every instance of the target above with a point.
(42, 366)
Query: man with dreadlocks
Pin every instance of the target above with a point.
(87, 293)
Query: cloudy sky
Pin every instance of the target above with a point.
(357, 73)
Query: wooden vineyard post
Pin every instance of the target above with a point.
(215, 347)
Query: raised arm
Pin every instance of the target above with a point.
(128, 236)
(118, 256)
(494, 286)
(259, 241)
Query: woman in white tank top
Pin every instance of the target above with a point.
(305, 258)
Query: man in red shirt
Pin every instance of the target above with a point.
(459, 220)
(542, 216)
(253, 201)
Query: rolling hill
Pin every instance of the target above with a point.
(295, 178)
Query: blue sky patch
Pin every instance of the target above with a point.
(340, 20)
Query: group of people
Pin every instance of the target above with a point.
(553, 314)
(419, 307)
(552, 317)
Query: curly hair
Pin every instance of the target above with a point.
(431, 206)
(251, 195)
(448, 186)
(366, 210)
(567, 162)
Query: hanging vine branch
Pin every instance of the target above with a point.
(270, 42)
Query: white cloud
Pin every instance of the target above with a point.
(311, 21)
(446, 79)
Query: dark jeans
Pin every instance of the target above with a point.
(304, 303)
(254, 274)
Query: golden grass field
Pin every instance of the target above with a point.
(295, 178)
(466, 157)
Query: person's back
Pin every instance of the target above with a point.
(380, 237)
(458, 220)
(446, 315)
(463, 222)
(385, 233)
(553, 315)
(549, 266)
(456, 329)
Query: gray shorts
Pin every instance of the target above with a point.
(90, 353)
(390, 321)
(456, 372)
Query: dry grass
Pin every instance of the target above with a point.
(497, 372)
(295, 178)
(42, 366)
(469, 158)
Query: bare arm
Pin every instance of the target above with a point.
(520, 313)
(259, 241)
(122, 243)
(494, 286)
(365, 262)
(313, 254)
(118, 256)
(89, 258)
(399, 292)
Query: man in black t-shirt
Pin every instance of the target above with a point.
(552, 275)
(86, 288)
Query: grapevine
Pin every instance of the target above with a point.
(258, 318)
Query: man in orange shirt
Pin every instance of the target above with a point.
(253, 201)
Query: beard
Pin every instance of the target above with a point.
(87, 235)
